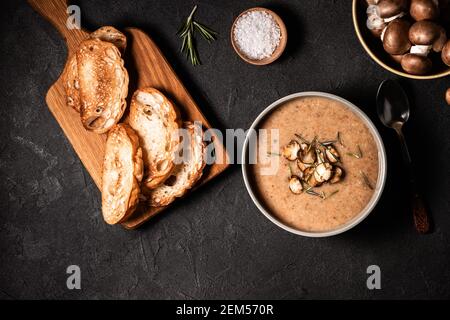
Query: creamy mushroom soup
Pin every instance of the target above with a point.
(313, 201)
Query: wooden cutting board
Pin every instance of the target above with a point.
(146, 66)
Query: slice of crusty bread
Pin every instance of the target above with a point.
(70, 76)
(112, 35)
(103, 82)
(185, 174)
(156, 121)
(122, 174)
(71, 84)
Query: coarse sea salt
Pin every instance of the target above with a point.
(257, 35)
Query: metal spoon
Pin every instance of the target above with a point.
(393, 111)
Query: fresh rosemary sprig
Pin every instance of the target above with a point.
(301, 138)
(320, 194)
(306, 186)
(366, 180)
(339, 139)
(186, 33)
(356, 155)
(208, 34)
(331, 194)
(327, 143)
(313, 143)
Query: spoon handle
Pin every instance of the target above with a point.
(421, 218)
(420, 212)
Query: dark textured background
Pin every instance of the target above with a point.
(214, 243)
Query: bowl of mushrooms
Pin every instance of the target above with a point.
(410, 38)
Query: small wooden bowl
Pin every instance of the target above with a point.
(374, 47)
(279, 49)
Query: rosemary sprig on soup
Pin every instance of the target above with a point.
(366, 180)
(358, 154)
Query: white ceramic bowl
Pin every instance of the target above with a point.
(382, 168)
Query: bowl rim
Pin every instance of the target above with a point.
(380, 62)
(278, 50)
(382, 166)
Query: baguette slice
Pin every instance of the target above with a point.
(122, 174)
(103, 82)
(70, 77)
(112, 35)
(156, 121)
(185, 174)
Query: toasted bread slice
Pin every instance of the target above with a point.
(122, 174)
(156, 121)
(103, 83)
(70, 77)
(112, 35)
(71, 83)
(185, 174)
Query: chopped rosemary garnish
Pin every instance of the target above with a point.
(321, 194)
(366, 180)
(359, 150)
(339, 139)
(301, 138)
(358, 155)
(331, 194)
(327, 143)
(354, 155)
(313, 143)
(186, 32)
(317, 194)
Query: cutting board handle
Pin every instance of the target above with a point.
(55, 11)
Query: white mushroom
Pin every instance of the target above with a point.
(375, 24)
(323, 172)
(372, 9)
(290, 151)
(332, 154)
(303, 166)
(320, 157)
(308, 156)
(337, 175)
(295, 185)
(381, 12)
(312, 182)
